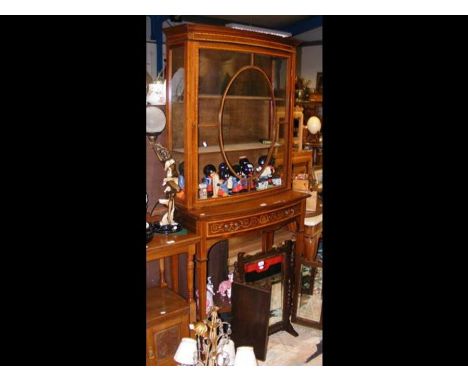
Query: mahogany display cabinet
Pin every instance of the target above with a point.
(229, 111)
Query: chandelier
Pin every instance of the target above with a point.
(212, 345)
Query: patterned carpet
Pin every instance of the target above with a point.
(286, 350)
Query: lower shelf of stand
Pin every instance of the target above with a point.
(161, 303)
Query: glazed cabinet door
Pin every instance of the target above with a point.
(242, 123)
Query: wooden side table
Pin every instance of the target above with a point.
(167, 312)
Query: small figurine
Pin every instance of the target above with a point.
(236, 183)
(267, 169)
(181, 175)
(212, 180)
(266, 173)
(225, 287)
(247, 170)
(181, 194)
(209, 294)
(225, 180)
(167, 223)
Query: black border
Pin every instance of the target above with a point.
(392, 263)
(74, 281)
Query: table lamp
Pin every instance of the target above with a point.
(156, 95)
(245, 356)
(186, 353)
(314, 125)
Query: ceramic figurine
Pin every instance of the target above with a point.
(170, 183)
(181, 175)
(210, 177)
(235, 179)
(181, 194)
(209, 294)
(267, 169)
(225, 286)
(247, 170)
(225, 180)
(243, 160)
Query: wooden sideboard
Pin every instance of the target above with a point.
(168, 314)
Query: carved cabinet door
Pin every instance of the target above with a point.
(163, 339)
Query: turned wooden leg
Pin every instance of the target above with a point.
(162, 278)
(190, 267)
(268, 239)
(175, 273)
(201, 265)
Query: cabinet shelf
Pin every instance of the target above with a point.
(219, 96)
(232, 147)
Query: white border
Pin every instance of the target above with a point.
(271, 374)
(238, 7)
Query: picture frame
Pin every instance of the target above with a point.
(319, 83)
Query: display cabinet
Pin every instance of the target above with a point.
(229, 111)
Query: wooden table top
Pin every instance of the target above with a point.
(161, 241)
(250, 206)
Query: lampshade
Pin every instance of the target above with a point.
(245, 356)
(156, 93)
(186, 353)
(314, 125)
(227, 349)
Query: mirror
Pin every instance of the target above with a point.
(307, 302)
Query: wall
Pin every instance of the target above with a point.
(310, 57)
(311, 63)
(154, 169)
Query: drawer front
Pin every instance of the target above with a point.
(163, 338)
(251, 222)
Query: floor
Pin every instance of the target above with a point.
(286, 350)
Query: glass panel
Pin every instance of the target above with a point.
(265, 63)
(280, 66)
(177, 97)
(279, 70)
(248, 123)
(217, 67)
(177, 110)
(309, 304)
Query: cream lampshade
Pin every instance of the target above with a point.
(314, 125)
(227, 349)
(245, 356)
(186, 353)
(156, 93)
